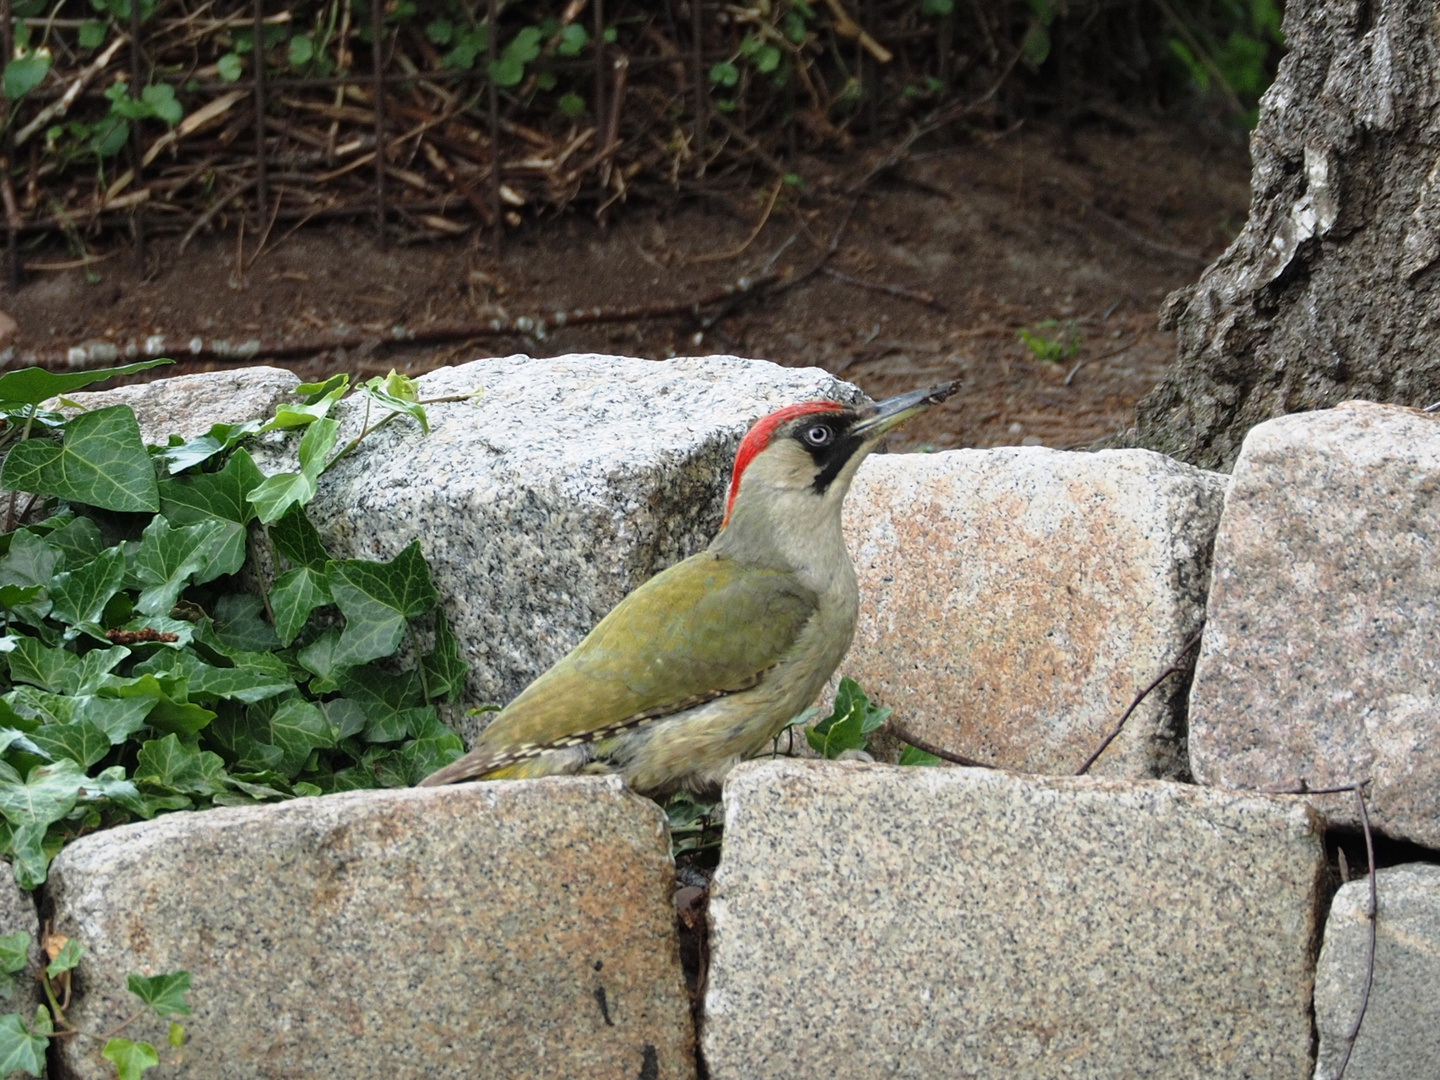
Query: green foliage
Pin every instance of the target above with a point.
(1051, 341)
(1230, 48)
(25, 72)
(912, 755)
(22, 1047)
(849, 724)
(695, 829)
(130, 1059)
(138, 675)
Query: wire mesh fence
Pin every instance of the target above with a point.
(448, 117)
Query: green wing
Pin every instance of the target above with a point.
(700, 629)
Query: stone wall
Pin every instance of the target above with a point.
(1171, 917)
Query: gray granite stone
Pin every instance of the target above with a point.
(189, 404)
(1014, 601)
(1399, 1038)
(484, 930)
(564, 485)
(17, 912)
(872, 921)
(1321, 657)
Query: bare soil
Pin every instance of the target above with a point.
(943, 260)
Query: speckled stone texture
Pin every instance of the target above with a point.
(1012, 602)
(873, 921)
(17, 912)
(1321, 657)
(563, 486)
(1400, 1036)
(189, 404)
(485, 930)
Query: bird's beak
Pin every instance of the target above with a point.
(893, 412)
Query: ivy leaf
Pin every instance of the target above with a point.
(78, 541)
(29, 861)
(384, 767)
(167, 560)
(280, 492)
(276, 494)
(912, 755)
(295, 594)
(81, 742)
(219, 498)
(319, 397)
(170, 710)
(14, 957)
(130, 1059)
(169, 763)
(392, 703)
(117, 717)
(37, 707)
(377, 598)
(204, 682)
(101, 462)
(344, 716)
(445, 669)
(59, 670)
(30, 560)
(14, 596)
(45, 796)
(20, 1051)
(297, 728)
(238, 626)
(321, 657)
(109, 784)
(381, 391)
(433, 747)
(14, 952)
(186, 500)
(66, 959)
(847, 726)
(220, 438)
(165, 994)
(79, 596)
(298, 540)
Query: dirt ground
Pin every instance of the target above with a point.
(1073, 235)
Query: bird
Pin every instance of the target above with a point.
(707, 662)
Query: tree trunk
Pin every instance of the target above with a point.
(1332, 291)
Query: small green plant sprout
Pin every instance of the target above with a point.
(695, 829)
(1051, 341)
(23, 1047)
(849, 724)
(147, 664)
(27, 68)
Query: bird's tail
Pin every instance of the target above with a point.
(479, 764)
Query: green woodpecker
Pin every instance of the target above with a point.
(705, 663)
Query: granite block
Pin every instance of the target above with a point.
(1320, 663)
(481, 930)
(1014, 601)
(1399, 1038)
(870, 921)
(189, 405)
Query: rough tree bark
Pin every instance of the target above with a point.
(1332, 291)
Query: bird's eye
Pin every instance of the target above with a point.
(819, 435)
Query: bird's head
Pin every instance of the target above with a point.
(800, 459)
